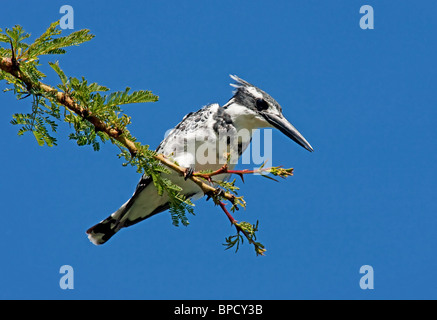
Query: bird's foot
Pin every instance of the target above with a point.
(188, 173)
(218, 192)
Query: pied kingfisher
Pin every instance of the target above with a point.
(195, 144)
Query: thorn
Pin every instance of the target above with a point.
(133, 154)
(209, 195)
(15, 63)
(241, 176)
(26, 96)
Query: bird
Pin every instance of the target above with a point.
(202, 141)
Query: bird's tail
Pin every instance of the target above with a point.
(105, 229)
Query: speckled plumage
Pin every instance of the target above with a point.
(201, 141)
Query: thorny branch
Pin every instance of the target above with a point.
(6, 64)
(259, 248)
(276, 171)
(11, 65)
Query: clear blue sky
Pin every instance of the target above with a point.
(365, 99)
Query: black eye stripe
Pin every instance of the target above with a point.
(261, 104)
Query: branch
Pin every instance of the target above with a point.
(276, 171)
(65, 99)
(97, 116)
(7, 65)
(247, 229)
(206, 188)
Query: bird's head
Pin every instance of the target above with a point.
(251, 106)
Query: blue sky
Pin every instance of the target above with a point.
(364, 99)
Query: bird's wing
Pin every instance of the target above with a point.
(169, 144)
(180, 145)
(177, 146)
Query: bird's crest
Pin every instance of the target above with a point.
(239, 82)
(246, 94)
(246, 88)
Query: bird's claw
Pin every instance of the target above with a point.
(218, 192)
(188, 173)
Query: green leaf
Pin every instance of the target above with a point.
(39, 138)
(59, 72)
(17, 34)
(123, 97)
(72, 39)
(47, 44)
(51, 31)
(3, 37)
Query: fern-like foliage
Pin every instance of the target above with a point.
(95, 116)
(250, 232)
(48, 43)
(93, 99)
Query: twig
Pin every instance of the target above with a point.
(277, 171)
(233, 221)
(258, 247)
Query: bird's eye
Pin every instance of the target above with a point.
(261, 104)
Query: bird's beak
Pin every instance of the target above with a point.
(279, 122)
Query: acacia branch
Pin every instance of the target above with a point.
(97, 116)
(206, 188)
(8, 65)
(276, 171)
(233, 221)
(259, 248)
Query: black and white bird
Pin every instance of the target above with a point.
(200, 142)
